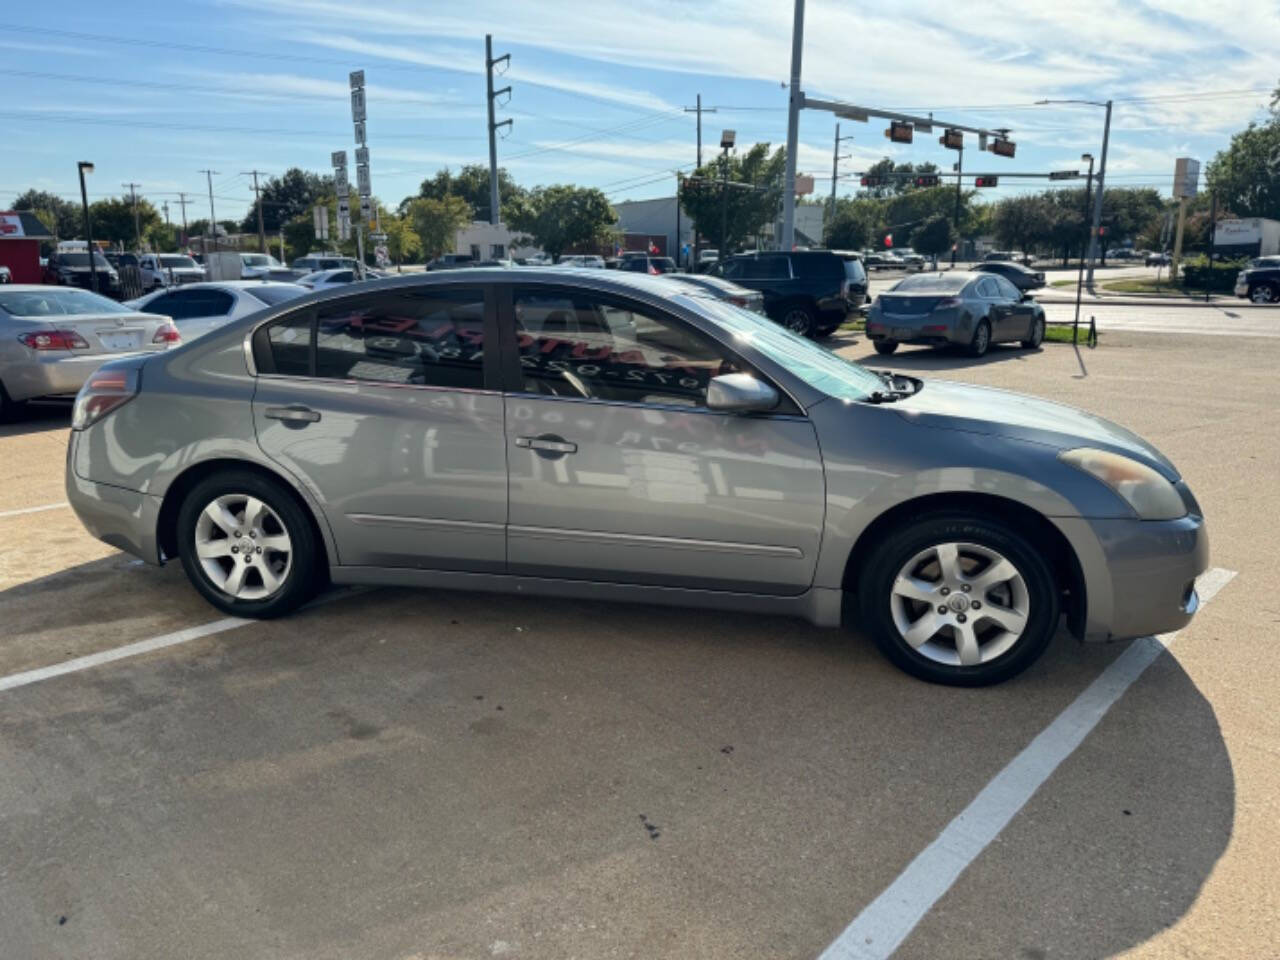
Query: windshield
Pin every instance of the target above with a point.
(55, 301)
(82, 259)
(815, 365)
(932, 283)
(178, 263)
(258, 260)
(274, 293)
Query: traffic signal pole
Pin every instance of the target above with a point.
(959, 177)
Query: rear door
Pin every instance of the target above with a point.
(385, 404)
(619, 472)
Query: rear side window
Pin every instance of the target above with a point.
(289, 345)
(769, 268)
(853, 271)
(426, 337)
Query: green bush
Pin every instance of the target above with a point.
(1220, 278)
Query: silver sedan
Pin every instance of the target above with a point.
(955, 308)
(53, 338)
(600, 435)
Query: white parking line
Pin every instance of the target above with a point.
(47, 506)
(889, 919)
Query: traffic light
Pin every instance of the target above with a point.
(952, 139)
(899, 132)
(873, 181)
(986, 181)
(1003, 148)
(928, 180)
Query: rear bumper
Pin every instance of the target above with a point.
(125, 519)
(1139, 574)
(915, 330)
(51, 375)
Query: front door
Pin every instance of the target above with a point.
(382, 404)
(619, 472)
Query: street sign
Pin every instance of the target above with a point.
(341, 185)
(362, 155)
(804, 184)
(952, 139)
(338, 158)
(357, 79)
(899, 132)
(360, 137)
(362, 179)
(1186, 178)
(1064, 174)
(986, 181)
(378, 237)
(382, 255)
(928, 180)
(1003, 148)
(320, 221)
(357, 105)
(366, 209)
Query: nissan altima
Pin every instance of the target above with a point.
(600, 435)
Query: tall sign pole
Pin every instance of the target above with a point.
(363, 185)
(489, 63)
(794, 103)
(1097, 200)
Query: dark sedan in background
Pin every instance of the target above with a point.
(1021, 277)
(955, 308)
(724, 290)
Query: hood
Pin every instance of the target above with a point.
(985, 410)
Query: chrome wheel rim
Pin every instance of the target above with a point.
(797, 321)
(243, 547)
(960, 604)
(981, 338)
(1261, 295)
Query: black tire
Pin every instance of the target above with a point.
(9, 410)
(798, 318)
(307, 565)
(881, 569)
(885, 347)
(981, 341)
(1264, 293)
(1037, 335)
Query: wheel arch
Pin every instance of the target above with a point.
(1026, 520)
(181, 485)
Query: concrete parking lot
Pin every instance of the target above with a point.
(417, 774)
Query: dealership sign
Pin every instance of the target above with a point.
(11, 226)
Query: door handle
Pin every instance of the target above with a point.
(295, 416)
(549, 445)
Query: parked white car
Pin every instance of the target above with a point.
(258, 266)
(581, 260)
(328, 279)
(200, 307)
(168, 270)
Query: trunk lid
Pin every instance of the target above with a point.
(114, 333)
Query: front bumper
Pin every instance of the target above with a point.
(1242, 289)
(1139, 574)
(125, 519)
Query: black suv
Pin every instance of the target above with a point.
(810, 292)
(1260, 281)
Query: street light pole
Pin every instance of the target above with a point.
(1102, 175)
(82, 166)
(794, 103)
(724, 203)
(1085, 223)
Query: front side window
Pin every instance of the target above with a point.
(580, 345)
(1006, 289)
(430, 337)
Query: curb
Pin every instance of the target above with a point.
(1161, 302)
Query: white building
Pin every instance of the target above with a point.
(487, 241)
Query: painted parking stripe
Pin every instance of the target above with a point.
(155, 643)
(889, 919)
(41, 509)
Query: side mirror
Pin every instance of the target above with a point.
(740, 393)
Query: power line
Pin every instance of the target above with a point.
(164, 125)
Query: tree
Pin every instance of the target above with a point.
(64, 219)
(437, 222)
(402, 241)
(161, 237)
(851, 227)
(113, 220)
(934, 236)
(471, 184)
(1023, 222)
(747, 205)
(1125, 212)
(564, 217)
(286, 197)
(1246, 175)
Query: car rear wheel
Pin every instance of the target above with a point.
(981, 341)
(798, 318)
(1264, 293)
(1037, 334)
(958, 599)
(247, 545)
(886, 346)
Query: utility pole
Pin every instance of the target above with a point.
(794, 103)
(213, 223)
(257, 198)
(1097, 200)
(724, 200)
(959, 178)
(835, 169)
(167, 225)
(183, 201)
(699, 109)
(133, 196)
(489, 63)
(1088, 189)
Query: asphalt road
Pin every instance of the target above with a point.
(419, 774)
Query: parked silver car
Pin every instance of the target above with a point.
(53, 338)
(598, 435)
(955, 308)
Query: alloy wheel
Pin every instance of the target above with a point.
(1262, 294)
(243, 547)
(960, 604)
(797, 321)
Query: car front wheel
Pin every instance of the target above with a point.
(958, 599)
(247, 545)
(1264, 293)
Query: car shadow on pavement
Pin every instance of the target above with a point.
(928, 358)
(37, 418)
(420, 770)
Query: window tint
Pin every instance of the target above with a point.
(183, 304)
(767, 268)
(342, 276)
(428, 337)
(1007, 289)
(853, 271)
(576, 344)
(987, 288)
(289, 345)
(273, 293)
(729, 269)
(932, 283)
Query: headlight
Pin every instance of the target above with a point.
(1151, 496)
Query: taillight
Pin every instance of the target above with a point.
(55, 340)
(738, 301)
(103, 392)
(167, 333)
(947, 302)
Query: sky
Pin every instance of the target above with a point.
(601, 90)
